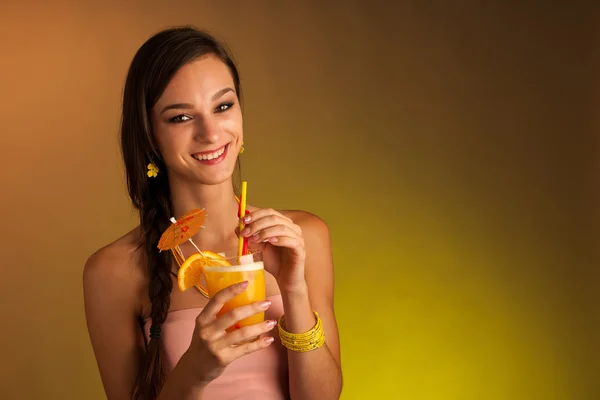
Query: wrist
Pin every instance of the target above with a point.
(297, 309)
(187, 368)
(295, 290)
(181, 384)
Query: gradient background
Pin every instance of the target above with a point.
(452, 149)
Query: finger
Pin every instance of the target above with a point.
(274, 231)
(247, 332)
(233, 353)
(263, 212)
(268, 222)
(256, 225)
(289, 242)
(209, 313)
(239, 313)
(261, 221)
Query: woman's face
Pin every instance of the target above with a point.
(197, 123)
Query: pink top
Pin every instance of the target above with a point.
(262, 375)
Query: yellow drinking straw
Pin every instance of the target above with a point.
(242, 214)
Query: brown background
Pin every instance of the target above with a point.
(448, 145)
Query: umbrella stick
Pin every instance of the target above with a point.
(180, 252)
(194, 244)
(173, 220)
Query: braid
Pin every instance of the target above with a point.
(154, 219)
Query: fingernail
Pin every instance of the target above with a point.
(254, 238)
(268, 340)
(270, 324)
(273, 240)
(245, 231)
(247, 218)
(244, 285)
(264, 305)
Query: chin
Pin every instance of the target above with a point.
(216, 178)
(213, 181)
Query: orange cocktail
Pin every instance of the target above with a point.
(249, 268)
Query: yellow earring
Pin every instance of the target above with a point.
(242, 148)
(152, 170)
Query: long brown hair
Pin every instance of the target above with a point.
(151, 69)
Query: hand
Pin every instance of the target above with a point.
(212, 348)
(282, 245)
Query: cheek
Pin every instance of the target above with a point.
(170, 143)
(233, 124)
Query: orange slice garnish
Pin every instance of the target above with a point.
(191, 270)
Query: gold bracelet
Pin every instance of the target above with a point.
(302, 342)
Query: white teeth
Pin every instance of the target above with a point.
(210, 156)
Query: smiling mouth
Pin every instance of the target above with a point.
(216, 155)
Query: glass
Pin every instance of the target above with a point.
(249, 268)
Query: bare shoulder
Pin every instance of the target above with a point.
(116, 268)
(317, 241)
(313, 227)
(113, 280)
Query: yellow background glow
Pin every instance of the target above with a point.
(445, 145)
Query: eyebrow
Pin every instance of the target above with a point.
(188, 106)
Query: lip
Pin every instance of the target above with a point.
(201, 153)
(214, 160)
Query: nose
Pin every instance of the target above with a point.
(206, 130)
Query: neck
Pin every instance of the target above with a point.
(221, 211)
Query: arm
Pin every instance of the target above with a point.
(303, 267)
(316, 374)
(113, 286)
(110, 288)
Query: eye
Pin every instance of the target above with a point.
(223, 107)
(179, 119)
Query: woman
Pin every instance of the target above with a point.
(182, 120)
